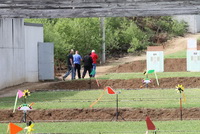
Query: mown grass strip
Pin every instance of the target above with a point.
(141, 75)
(143, 98)
(165, 127)
(179, 54)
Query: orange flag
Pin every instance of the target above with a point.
(150, 125)
(110, 90)
(14, 129)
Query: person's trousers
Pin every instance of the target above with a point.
(86, 69)
(78, 69)
(94, 68)
(70, 70)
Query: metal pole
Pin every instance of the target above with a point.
(90, 83)
(116, 107)
(103, 33)
(181, 110)
(147, 83)
(25, 117)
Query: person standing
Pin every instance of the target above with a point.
(70, 63)
(87, 60)
(94, 64)
(77, 63)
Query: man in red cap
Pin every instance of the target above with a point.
(94, 64)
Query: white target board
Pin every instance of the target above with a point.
(193, 56)
(193, 60)
(155, 61)
(192, 44)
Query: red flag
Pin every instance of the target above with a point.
(110, 90)
(14, 129)
(150, 125)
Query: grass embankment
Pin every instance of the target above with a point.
(165, 127)
(179, 54)
(141, 75)
(144, 98)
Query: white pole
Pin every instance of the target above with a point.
(156, 78)
(103, 33)
(15, 102)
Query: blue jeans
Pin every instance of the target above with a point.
(94, 68)
(70, 70)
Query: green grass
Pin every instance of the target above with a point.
(179, 54)
(141, 75)
(144, 98)
(165, 127)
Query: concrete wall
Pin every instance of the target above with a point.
(192, 20)
(18, 52)
(33, 35)
(12, 54)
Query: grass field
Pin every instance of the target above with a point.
(179, 54)
(141, 75)
(165, 127)
(143, 98)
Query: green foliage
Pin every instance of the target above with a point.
(165, 24)
(80, 34)
(138, 39)
(114, 36)
(179, 28)
(122, 34)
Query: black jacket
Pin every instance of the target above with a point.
(87, 60)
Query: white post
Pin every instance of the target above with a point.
(103, 39)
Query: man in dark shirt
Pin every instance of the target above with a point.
(87, 60)
(70, 63)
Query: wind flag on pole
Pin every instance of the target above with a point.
(102, 94)
(18, 95)
(150, 72)
(14, 129)
(93, 72)
(150, 125)
(110, 90)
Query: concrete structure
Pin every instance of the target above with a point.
(33, 35)
(192, 20)
(96, 8)
(17, 55)
(12, 52)
(155, 58)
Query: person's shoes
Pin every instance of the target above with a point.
(63, 78)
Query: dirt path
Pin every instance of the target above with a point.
(172, 46)
(179, 43)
